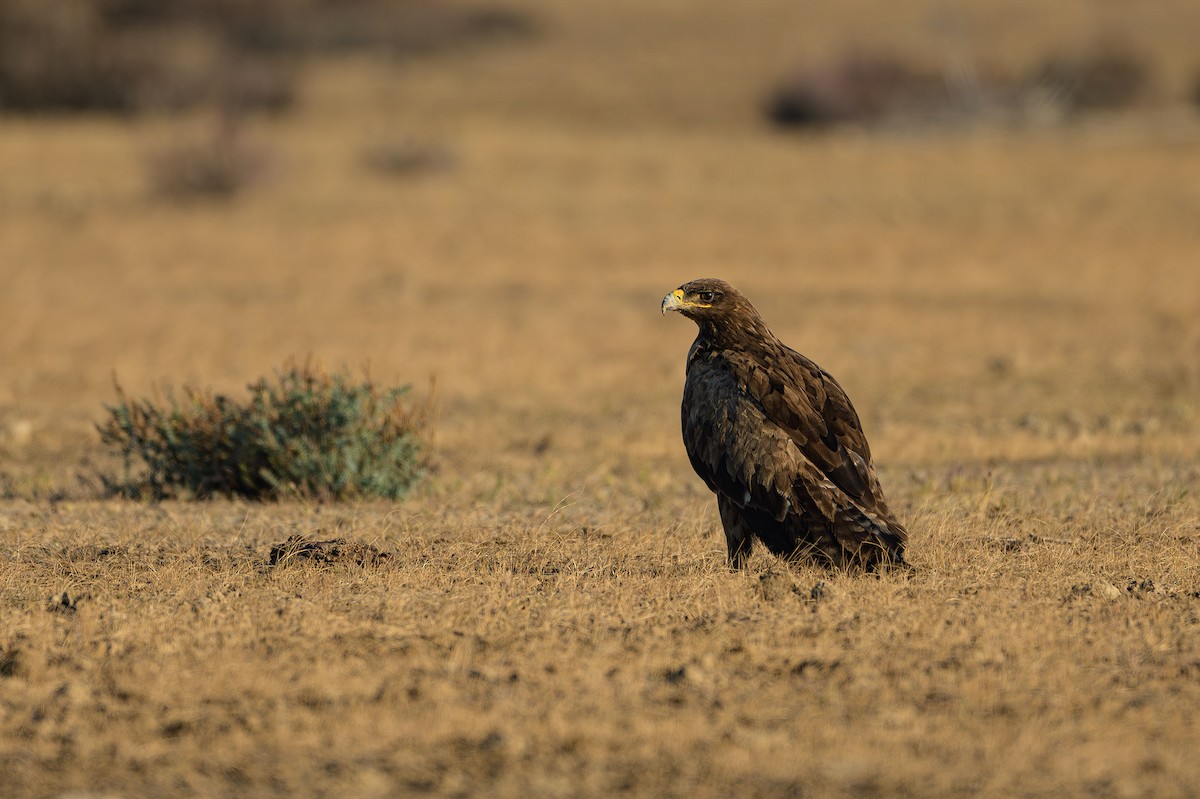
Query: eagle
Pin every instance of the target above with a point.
(775, 437)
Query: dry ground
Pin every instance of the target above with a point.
(1015, 313)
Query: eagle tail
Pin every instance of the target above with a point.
(866, 539)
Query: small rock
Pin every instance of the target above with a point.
(1000, 365)
(675, 676)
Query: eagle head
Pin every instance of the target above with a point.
(723, 313)
(707, 298)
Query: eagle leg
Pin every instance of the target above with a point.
(738, 537)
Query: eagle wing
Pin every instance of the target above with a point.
(811, 406)
(777, 436)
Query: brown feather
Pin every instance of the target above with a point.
(777, 439)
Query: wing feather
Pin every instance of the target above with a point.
(812, 407)
(780, 442)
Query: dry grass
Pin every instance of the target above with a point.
(1014, 314)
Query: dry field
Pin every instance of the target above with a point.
(1016, 313)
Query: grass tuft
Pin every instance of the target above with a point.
(308, 433)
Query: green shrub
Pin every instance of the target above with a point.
(307, 434)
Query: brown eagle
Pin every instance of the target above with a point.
(776, 439)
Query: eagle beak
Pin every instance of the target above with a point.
(673, 301)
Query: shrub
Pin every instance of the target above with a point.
(81, 55)
(858, 88)
(869, 88)
(131, 56)
(214, 166)
(308, 433)
(399, 27)
(1107, 78)
(57, 56)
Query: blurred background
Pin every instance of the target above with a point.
(981, 217)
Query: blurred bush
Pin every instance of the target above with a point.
(69, 56)
(214, 166)
(128, 56)
(1108, 78)
(309, 434)
(397, 27)
(858, 88)
(867, 88)
(59, 56)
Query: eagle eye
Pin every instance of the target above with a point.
(707, 296)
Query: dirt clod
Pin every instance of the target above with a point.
(336, 550)
(776, 584)
(62, 602)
